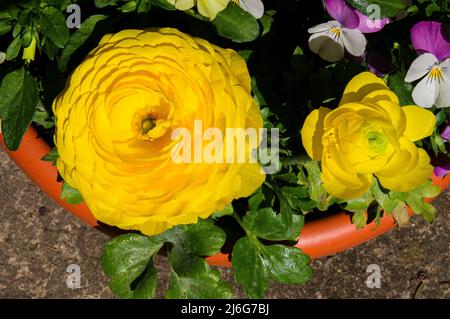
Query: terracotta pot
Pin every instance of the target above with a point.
(319, 238)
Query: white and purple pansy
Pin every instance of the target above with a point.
(432, 66)
(345, 33)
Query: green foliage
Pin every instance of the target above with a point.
(128, 262)
(18, 100)
(388, 8)
(235, 24)
(254, 263)
(70, 194)
(78, 38)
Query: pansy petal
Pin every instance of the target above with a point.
(443, 99)
(354, 41)
(420, 67)
(419, 122)
(342, 12)
(446, 132)
(429, 36)
(312, 133)
(326, 47)
(367, 25)
(254, 7)
(360, 86)
(324, 27)
(426, 92)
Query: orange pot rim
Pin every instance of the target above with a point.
(319, 238)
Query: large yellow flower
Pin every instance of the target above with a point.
(369, 134)
(116, 115)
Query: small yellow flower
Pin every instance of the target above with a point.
(115, 118)
(207, 8)
(369, 134)
(30, 51)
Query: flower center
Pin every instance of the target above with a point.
(435, 74)
(335, 33)
(147, 125)
(377, 142)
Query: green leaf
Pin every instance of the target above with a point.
(126, 260)
(287, 264)
(54, 25)
(13, 49)
(202, 283)
(403, 90)
(267, 21)
(237, 25)
(192, 277)
(228, 210)
(431, 8)
(18, 100)
(388, 8)
(51, 156)
(383, 199)
(249, 270)
(361, 203)
(256, 200)
(359, 218)
(164, 4)
(78, 38)
(5, 26)
(316, 190)
(105, 3)
(271, 226)
(72, 195)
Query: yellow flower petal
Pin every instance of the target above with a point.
(420, 122)
(412, 178)
(312, 133)
(360, 86)
(344, 191)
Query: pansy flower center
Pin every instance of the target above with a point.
(435, 73)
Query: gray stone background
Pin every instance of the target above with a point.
(38, 240)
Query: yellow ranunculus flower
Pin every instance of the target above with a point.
(115, 118)
(369, 134)
(207, 8)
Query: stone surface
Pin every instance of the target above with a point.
(39, 240)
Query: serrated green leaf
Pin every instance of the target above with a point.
(54, 25)
(249, 270)
(78, 38)
(18, 100)
(127, 259)
(70, 194)
(206, 284)
(361, 203)
(388, 8)
(237, 25)
(359, 218)
(316, 190)
(287, 264)
(271, 226)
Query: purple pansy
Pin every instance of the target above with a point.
(432, 65)
(345, 33)
(446, 133)
(443, 164)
